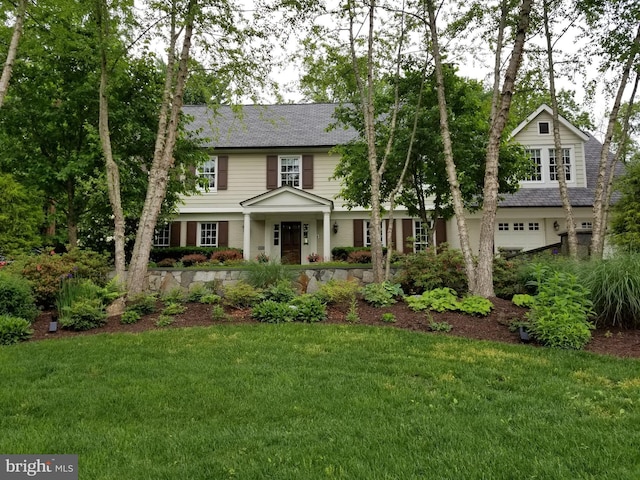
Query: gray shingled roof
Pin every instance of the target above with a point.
(268, 126)
(550, 197)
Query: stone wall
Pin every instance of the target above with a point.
(308, 280)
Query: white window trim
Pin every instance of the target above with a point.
(199, 237)
(365, 231)
(166, 232)
(299, 159)
(572, 165)
(424, 245)
(542, 165)
(214, 188)
(546, 165)
(548, 127)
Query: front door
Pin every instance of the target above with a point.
(291, 245)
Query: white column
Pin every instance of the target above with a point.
(326, 237)
(246, 244)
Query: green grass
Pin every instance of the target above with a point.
(297, 401)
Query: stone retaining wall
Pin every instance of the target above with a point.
(308, 280)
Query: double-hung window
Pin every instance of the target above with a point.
(161, 236)
(209, 234)
(421, 236)
(208, 174)
(536, 167)
(553, 164)
(367, 233)
(290, 168)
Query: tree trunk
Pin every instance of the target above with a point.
(72, 221)
(112, 170)
(599, 225)
(572, 238)
(163, 155)
(452, 175)
(484, 273)
(13, 50)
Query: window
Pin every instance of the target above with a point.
(161, 236)
(543, 128)
(367, 234)
(276, 234)
(207, 173)
(208, 234)
(586, 225)
(536, 169)
(553, 166)
(290, 171)
(534, 226)
(421, 236)
(518, 226)
(503, 227)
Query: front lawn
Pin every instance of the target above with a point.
(295, 401)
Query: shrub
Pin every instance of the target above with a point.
(560, 311)
(144, 304)
(164, 321)
(217, 313)
(241, 295)
(438, 299)
(75, 289)
(433, 269)
(523, 300)
(196, 292)
(167, 262)
(210, 299)
(381, 294)
(193, 259)
(263, 275)
(309, 309)
(475, 305)
(282, 291)
(224, 256)
(338, 291)
(440, 326)
(175, 295)
(360, 256)
(388, 317)
(130, 316)
(507, 278)
(270, 311)
(173, 309)
(16, 297)
(14, 329)
(83, 314)
(352, 314)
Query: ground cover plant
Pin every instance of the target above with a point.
(319, 401)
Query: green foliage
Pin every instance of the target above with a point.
(352, 315)
(16, 297)
(338, 292)
(144, 304)
(196, 292)
(431, 269)
(560, 311)
(175, 295)
(174, 309)
(614, 284)
(625, 221)
(281, 291)
(264, 274)
(507, 278)
(20, 216)
(160, 253)
(382, 294)
(14, 329)
(440, 326)
(210, 299)
(475, 305)
(164, 321)
(271, 311)
(130, 316)
(309, 309)
(218, 313)
(388, 317)
(241, 295)
(438, 299)
(523, 300)
(83, 314)
(76, 289)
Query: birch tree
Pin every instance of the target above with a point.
(13, 49)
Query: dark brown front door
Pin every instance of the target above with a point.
(291, 246)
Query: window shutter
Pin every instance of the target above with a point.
(441, 231)
(192, 233)
(272, 172)
(307, 171)
(223, 166)
(358, 240)
(174, 234)
(407, 231)
(223, 234)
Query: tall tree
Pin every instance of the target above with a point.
(13, 49)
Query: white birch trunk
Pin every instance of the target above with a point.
(13, 50)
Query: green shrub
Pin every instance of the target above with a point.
(143, 303)
(352, 315)
(14, 329)
(264, 274)
(218, 313)
(210, 299)
(388, 317)
(440, 326)
(196, 292)
(76, 289)
(16, 297)
(475, 305)
(281, 291)
(309, 309)
(559, 316)
(338, 291)
(614, 284)
(507, 277)
(271, 311)
(438, 299)
(175, 295)
(241, 295)
(164, 321)
(523, 300)
(130, 316)
(174, 309)
(83, 314)
(381, 294)
(431, 269)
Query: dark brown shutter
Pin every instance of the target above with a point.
(272, 172)
(174, 234)
(407, 231)
(223, 234)
(223, 167)
(358, 240)
(192, 233)
(441, 231)
(307, 171)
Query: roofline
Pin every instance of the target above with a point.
(545, 108)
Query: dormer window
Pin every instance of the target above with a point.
(543, 128)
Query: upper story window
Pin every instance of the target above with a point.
(161, 236)
(543, 128)
(208, 174)
(553, 164)
(536, 160)
(290, 167)
(209, 234)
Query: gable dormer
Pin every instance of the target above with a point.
(535, 133)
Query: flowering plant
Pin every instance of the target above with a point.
(313, 257)
(262, 258)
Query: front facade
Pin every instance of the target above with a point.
(271, 190)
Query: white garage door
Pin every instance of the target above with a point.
(519, 234)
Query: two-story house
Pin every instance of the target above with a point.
(270, 188)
